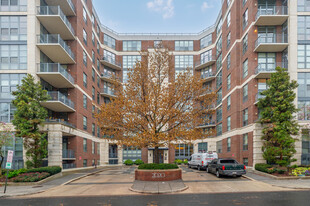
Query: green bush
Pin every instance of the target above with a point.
(138, 162)
(280, 171)
(294, 166)
(15, 173)
(185, 161)
(262, 167)
(51, 170)
(31, 177)
(177, 161)
(153, 166)
(128, 162)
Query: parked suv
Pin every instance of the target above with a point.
(228, 167)
(201, 160)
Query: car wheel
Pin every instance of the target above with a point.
(199, 168)
(218, 174)
(189, 166)
(207, 170)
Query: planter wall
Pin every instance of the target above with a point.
(158, 175)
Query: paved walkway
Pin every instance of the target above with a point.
(27, 190)
(292, 183)
(158, 187)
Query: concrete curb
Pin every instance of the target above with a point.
(55, 176)
(279, 178)
(159, 192)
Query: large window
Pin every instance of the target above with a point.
(131, 45)
(228, 102)
(93, 143)
(245, 68)
(203, 147)
(109, 41)
(245, 18)
(219, 97)
(7, 112)
(183, 151)
(245, 117)
(228, 144)
(305, 156)
(206, 41)
(303, 30)
(13, 28)
(228, 123)
(84, 144)
(219, 129)
(132, 153)
(85, 15)
(303, 5)
(219, 62)
(303, 56)
(184, 45)
(84, 101)
(228, 40)
(245, 142)
(219, 46)
(129, 62)
(228, 61)
(84, 58)
(84, 123)
(109, 56)
(85, 36)
(182, 62)
(13, 5)
(219, 27)
(245, 90)
(219, 114)
(13, 57)
(8, 84)
(84, 80)
(219, 80)
(228, 81)
(245, 44)
(219, 146)
(228, 19)
(304, 96)
(267, 61)
(206, 56)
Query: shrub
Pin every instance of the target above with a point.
(128, 162)
(262, 167)
(153, 166)
(280, 171)
(51, 170)
(185, 161)
(294, 166)
(138, 162)
(177, 161)
(31, 177)
(301, 171)
(15, 173)
(271, 170)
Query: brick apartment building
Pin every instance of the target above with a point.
(64, 44)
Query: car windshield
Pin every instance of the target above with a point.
(228, 161)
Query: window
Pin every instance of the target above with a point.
(303, 5)
(219, 129)
(93, 56)
(182, 62)
(246, 161)
(219, 80)
(93, 75)
(219, 27)
(93, 93)
(219, 115)
(13, 28)
(109, 41)
(7, 111)
(98, 135)
(84, 122)
(245, 93)
(13, 5)
(219, 146)
(85, 15)
(243, 2)
(203, 147)
(206, 56)
(228, 19)
(98, 81)
(245, 44)
(98, 148)
(303, 56)
(156, 43)
(132, 153)
(219, 97)
(129, 62)
(98, 65)
(93, 130)
(84, 80)
(84, 58)
(109, 56)
(228, 103)
(245, 68)
(8, 84)
(228, 40)
(228, 3)
(85, 163)
(98, 47)
(184, 45)
(245, 18)
(304, 96)
(84, 101)
(228, 82)
(131, 45)
(206, 41)
(266, 61)
(228, 144)
(183, 151)
(219, 46)
(219, 63)
(98, 30)
(245, 142)
(228, 61)
(13, 57)
(93, 20)
(228, 123)
(85, 36)
(245, 117)
(93, 108)
(93, 38)
(84, 144)
(98, 98)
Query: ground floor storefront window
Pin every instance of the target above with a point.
(113, 157)
(203, 147)
(183, 151)
(305, 156)
(131, 153)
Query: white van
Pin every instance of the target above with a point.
(201, 160)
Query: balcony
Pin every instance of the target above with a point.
(112, 63)
(58, 102)
(203, 63)
(264, 70)
(271, 15)
(59, 121)
(258, 96)
(68, 166)
(110, 78)
(55, 74)
(271, 43)
(207, 124)
(208, 76)
(68, 154)
(55, 21)
(66, 6)
(107, 92)
(55, 48)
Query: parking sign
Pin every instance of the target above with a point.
(9, 160)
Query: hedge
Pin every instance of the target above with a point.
(51, 170)
(263, 167)
(162, 166)
(138, 162)
(128, 162)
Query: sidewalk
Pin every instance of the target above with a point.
(158, 187)
(66, 178)
(292, 184)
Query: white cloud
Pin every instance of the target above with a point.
(205, 6)
(164, 7)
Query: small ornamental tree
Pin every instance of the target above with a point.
(154, 108)
(277, 111)
(6, 138)
(28, 118)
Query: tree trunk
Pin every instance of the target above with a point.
(156, 155)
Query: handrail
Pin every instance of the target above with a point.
(58, 96)
(53, 68)
(271, 10)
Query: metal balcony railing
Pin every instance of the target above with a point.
(68, 153)
(54, 68)
(54, 39)
(207, 124)
(271, 39)
(207, 75)
(57, 96)
(55, 10)
(112, 61)
(71, 5)
(269, 67)
(271, 11)
(60, 121)
(68, 165)
(108, 91)
(205, 60)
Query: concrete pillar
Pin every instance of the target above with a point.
(120, 154)
(166, 156)
(54, 148)
(150, 156)
(257, 145)
(104, 152)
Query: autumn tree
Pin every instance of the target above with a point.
(154, 108)
(278, 120)
(6, 138)
(28, 118)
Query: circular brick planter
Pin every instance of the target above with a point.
(158, 175)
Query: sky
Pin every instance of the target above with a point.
(157, 16)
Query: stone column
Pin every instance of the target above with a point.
(104, 152)
(55, 148)
(166, 156)
(257, 145)
(150, 156)
(120, 154)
